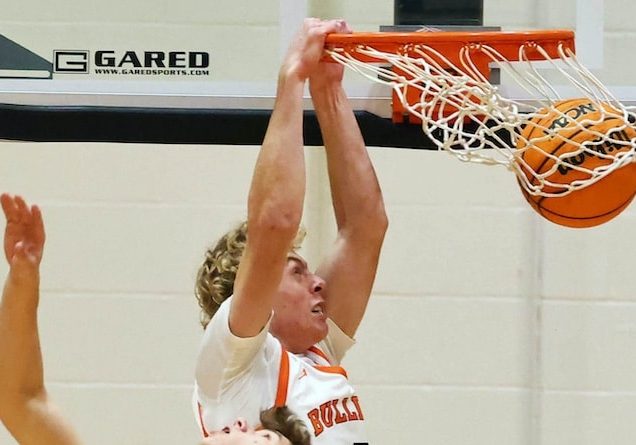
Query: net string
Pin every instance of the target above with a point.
(469, 118)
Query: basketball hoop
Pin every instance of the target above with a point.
(441, 80)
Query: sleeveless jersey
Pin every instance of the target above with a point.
(240, 377)
(320, 394)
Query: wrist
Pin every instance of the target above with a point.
(325, 86)
(290, 79)
(24, 273)
(292, 72)
(327, 96)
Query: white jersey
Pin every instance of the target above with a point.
(322, 396)
(240, 377)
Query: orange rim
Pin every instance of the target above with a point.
(506, 43)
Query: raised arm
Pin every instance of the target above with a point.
(349, 270)
(24, 406)
(277, 191)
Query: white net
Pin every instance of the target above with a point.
(554, 144)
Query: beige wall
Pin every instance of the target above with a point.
(477, 300)
(487, 326)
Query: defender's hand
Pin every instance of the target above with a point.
(24, 234)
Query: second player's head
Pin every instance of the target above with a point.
(279, 426)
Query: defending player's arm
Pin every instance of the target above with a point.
(24, 405)
(277, 191)
(349, 270)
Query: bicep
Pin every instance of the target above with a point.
(256, 284)
(349, 271)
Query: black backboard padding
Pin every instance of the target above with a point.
(439, 12)
(179, 126)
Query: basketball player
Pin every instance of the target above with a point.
(275, 331)
(25, 408)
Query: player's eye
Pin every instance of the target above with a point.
(270, 436)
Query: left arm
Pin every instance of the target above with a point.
(349, 270)
(25, 408)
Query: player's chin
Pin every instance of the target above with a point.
(322, 328)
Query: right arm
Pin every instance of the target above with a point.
(25, 408)
(277, 191)
(275, 205)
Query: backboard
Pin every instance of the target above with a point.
(225, 57)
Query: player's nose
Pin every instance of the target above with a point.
(317, 285)
(240, 424)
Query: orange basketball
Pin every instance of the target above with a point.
(598, 202)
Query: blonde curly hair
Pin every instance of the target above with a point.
(215, 278)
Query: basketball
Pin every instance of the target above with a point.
(576, 122)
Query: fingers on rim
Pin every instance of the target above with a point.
(333, 26)
(343, 26)
(337, 26)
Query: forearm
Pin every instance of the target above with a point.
(278, 185)
(358, 205)
(21, 371)
(24, 406)
(356, 194)
(274, 211)
(277, 191)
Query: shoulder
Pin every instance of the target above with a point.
(224, 358)
(336, 344)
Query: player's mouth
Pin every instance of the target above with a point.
(319, 310)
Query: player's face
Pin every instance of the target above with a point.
(241, 434)
(300, 318)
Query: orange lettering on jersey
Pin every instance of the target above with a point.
(331, 413)
(314, 417)
(351, 416)
(339, 416)
(326, 414)
(354, 399)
